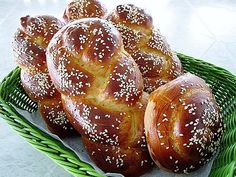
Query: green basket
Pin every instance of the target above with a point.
(222, 82)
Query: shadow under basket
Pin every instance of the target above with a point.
(222, 83)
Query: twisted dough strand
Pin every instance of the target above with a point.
(78, 9)
(29, 45)
(157, 63)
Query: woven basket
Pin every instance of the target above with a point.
(222, 82)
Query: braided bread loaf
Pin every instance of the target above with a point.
(182, 124)
(29, 45)
(102, 94)
(78, 9)
(157, 63)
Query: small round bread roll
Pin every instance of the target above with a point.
(183, 126)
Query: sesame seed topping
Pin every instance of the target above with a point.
(159, 42)
(78, 9)
(135, 26)
(134, 15)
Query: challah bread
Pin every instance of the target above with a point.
(29, 45)
(102, 94)
(183, 125)
(78, 9)
(157, 63)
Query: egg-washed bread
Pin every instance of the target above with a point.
(183, 125)
(102, 94)
(78, 9)
(30, 42)
(144, 42)
(150, 50)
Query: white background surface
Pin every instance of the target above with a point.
(205, 30)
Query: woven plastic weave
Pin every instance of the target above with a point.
(222, 82)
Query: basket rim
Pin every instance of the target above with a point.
(53, 148)
(64, 156)
(211, 65)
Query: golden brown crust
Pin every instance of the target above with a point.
(29, 45)
(38, 86)
(108, 108)
(183, 126)
(78, 9)
(146, 45)
(31, 40)
(27, 54)
(129, 14)
(55, 117)
(129, 161)
(158, 64)
(123, 75)
(102, 124)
